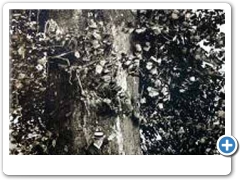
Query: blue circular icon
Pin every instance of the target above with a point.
(227, 145)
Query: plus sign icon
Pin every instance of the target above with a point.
(227, 145)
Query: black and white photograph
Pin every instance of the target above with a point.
(116, 82)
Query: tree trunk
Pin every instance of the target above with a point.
(74, 123)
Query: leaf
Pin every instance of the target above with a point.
(152, 92)
(187, 16)
(96, 36)
(149, 65)
(203, 140)
(106, 100)
(160, 105)
(192, 79)
(197, 57)
(127, 63)
(174, 16)
(98, 69)
(39, 67)
(66, 148)
(21, 76)
(106, 78)
(138, 47)
(77, 54)
(141, 30)
(155, 59)
(174, 38)
(21, 51)
(147, 46)
(143, 101)
(102, 62)
(182, 90)
(95, 44)
(106, 71)
(158, 83)
(54, 142)
(221, 114)
(92, 24)
(156, 30)
(164, 91)
(42, 61)
(154, 71)
(181, 131)
(18, 85)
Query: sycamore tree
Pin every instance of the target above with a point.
(146, 81)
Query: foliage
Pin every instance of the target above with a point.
(177, 54)
(82, 65)
(183, 80)
(28, 84)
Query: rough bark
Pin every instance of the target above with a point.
(80, 122)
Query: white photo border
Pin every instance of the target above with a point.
(114, 164)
